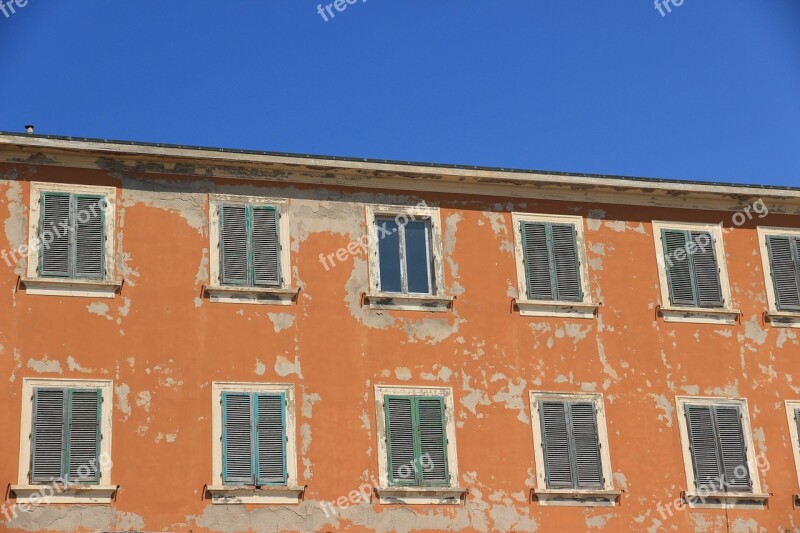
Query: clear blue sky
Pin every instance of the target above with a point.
(710, 91)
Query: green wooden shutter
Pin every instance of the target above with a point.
(234, 252)
(703, 444)
(54, 235)
(48, 446)
(586, 445)
(797, 422)
(728, 421)
(555, 443)
(400, 441)
(89, 237)
(538, 266)
(682, 290)
(271, 439)
(266, 247)
(237, 439)
(84, 435)
(567, 263)
(785, 265)
(432, 462)
(705, 269)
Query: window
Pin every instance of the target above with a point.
(416, 442)
(254, 444)
(694, 280)
(780, 253)
(551, 266)
(793, 415)
(71, 250)
(66, 439)
(718, 450)
(405, 259)
(572, 459)
(249, 250)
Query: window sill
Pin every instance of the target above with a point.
(252, 295)
(718, 500)
(543, 308)
(698, 315)
(421, 495)
(238, 495)
(72, 287)
(577, 498)
(64, 494)
(783, 319)
(409, 302)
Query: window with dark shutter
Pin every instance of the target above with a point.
(692, 269)
(416, 440)
(405, 258)
(249, 246)
(253, 438)
(571, 445)
(784, 260)
(65, 436)
(72, 236)
(552, 262)
(719, 453)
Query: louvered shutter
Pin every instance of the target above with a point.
(586, 444)
(433, 441)
(400, 439)
(679, 272)
(785, 264)
(271, 437)
(237, 438)
(89, 237)
(706, 270)
(555, 442)
(84, 435)
(567, 264)
(538, 267)
(733, 448)
(54, 235)
(266, 247)
(48, 447)
(703, 444)
(234, 250)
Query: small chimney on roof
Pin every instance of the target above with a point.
(29, 129)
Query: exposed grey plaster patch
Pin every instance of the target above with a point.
(596, 263)
(692, 390)
(443, 375)
(99, 309)
(308, 404)
(591, 387)
(17, 366)
(754, 332)
(143, 400)
(261, 368)
(598, 248)
(576, 333)
(75, 517)
(607, 368)
(511, 291)
(512, 397)
(284, 367)
(617, 225)
(561, 378)
(448, 248)
(16, 225)
(198, 302)
(724, 333)
(500, 229)
(740, 525)
(402, 373)
(323, 216)
(356, 284)
(597, 521)
(202, 270)
(786, 334)
(281, 321)
(45, 366)
(188, 200)
(594, 218)
(665, 405)
(730, 390)
(124, 309)
(620, 481)
(128, 273)
(473, 397)
(305, 444)
(122, 390)
(430, 330)
(73, 366)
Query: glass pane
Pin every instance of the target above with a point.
(418, 262)
(388, 254)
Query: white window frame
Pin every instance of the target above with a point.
(777, 318)
(283, 295)
(238, 494)
(546, 308)
(100, 288)
(715, 500)
(791, 405)
(388, 494)
(605, 497)
(378, 299)
(724, 315)
(102, 491)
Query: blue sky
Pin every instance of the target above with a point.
(710, 91)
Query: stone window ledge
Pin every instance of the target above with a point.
(699, 315)
(267, 494)
(577, 497)
(783, 319)
(64, 494)
(409, 302)
(717, 500)
(72, 287)
(542, 308)
(421, 495)
(252, 295)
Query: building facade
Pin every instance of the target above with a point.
(210, 340)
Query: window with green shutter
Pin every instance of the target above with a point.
(416, 440)
(552, 262)
(693, 274)
(72, 235)
(65, 436)
(571, 445)
(784, 260)
(249, 246)
(253, 438)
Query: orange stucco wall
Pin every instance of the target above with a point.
(162, 344)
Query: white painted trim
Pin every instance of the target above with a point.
(252, 295)
(409, 302)
(545, 308)
(252, 495)
(85, 493)
(791, 405)
(790, 319)
(567, 497)
(71, 287)
(688, 466)
(726, 315)
(417, 495)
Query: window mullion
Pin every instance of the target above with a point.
(72, 232)
(718, 446)
(687, 238)
(573, 454)
(548, 231)
(254, 437)
(417, 441)
(67, 430)
(248, 224)
(795, 258)
(401, 231)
